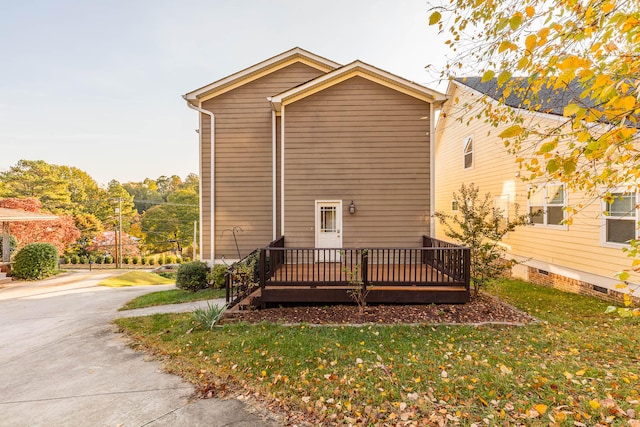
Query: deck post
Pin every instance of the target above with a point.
(467, 268)
(263, 267)
(227, 285)
(365, 269)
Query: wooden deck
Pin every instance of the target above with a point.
(437, 272)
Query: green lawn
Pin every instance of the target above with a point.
(135, 278)
(172, 296)
(577, 367)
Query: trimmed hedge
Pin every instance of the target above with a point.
(192, 276)
(35, 261)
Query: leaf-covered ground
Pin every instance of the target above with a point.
(481, 310)
(577, 367)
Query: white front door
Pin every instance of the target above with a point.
(328, 229)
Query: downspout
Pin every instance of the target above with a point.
(282, 171)
(432, 170)
(274, 175)
(213, 164)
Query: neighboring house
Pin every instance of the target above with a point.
(324, 154)
(582, 257)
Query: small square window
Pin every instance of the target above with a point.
(455, 205)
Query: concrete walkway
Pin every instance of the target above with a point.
(63, 364)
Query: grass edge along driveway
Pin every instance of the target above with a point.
(578, 367)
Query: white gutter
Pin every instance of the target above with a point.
(273, 174)
(282, 172)
(212, 160)
(432, 170)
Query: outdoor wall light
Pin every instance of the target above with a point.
(352, 208)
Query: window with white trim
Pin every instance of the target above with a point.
(468, 152)
(620, 218)
(546, 204)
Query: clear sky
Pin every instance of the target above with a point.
(98, 84)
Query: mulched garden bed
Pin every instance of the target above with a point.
(481, 310)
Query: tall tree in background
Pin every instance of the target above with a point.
(171, 221)
(145, 194)
(531, 46)
(38, 179)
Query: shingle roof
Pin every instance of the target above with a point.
(547, 100)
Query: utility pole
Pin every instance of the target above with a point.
(120, 228)
(193, 245)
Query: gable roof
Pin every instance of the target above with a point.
(357, 68)
(548, 100)
(260, 69)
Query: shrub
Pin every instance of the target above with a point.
(144, 260)
(67, 259)
(151, 261)
(75, 259)
(162, 260)
(216, 276)
(126, 259)
(84, 259)
(36, 261)
(192, 276)
(99, 259)
(108, 259)
(135, 260)
(178, 260)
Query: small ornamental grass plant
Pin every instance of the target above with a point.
(209, 316)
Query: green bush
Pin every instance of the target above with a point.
(151, 261)
(75, 259)
(108, 259)
(135, 260)
(162, 260)
(216, 276)
(178, 260)
(36, 261)
(98, 259)
(67, 259)
(192, 276)
(84, 259)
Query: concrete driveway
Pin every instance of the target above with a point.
(61, 363)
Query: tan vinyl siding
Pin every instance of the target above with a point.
(243, 169)
(359, 141)
(577, 246)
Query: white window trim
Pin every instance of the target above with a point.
(603, 228)
(564, 205)
(464, 153)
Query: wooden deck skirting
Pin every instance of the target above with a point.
(437, 272)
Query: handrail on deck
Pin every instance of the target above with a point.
(436, 263)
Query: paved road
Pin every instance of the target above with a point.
(61, 364)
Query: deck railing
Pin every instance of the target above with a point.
(436, 263)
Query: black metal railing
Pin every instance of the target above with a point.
(436, 263)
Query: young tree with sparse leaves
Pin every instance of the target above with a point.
(481, 227)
